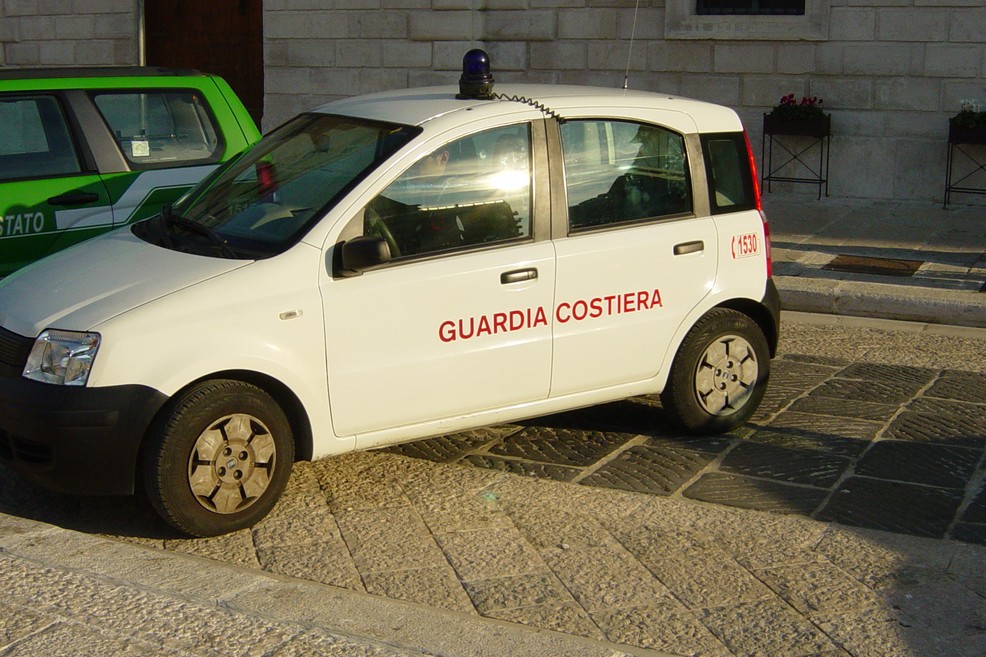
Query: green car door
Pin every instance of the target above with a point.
(47, 199)
(50, 215)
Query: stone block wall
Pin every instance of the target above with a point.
(68, 32)
(890, 72)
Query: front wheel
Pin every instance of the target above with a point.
(719, 374)
(218, 458)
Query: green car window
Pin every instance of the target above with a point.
(35, 141)
(160, 128)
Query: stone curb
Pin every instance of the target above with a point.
(279, 601)
(881, 301)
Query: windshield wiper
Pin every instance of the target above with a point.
(178, 221)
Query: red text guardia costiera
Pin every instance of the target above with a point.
(580, 310)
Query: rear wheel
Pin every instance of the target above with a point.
(719, 374)
(219, 458)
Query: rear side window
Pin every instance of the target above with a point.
(618, 172)
(161, 128)
(727, 163)
(35, 141)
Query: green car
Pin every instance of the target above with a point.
(85, 150)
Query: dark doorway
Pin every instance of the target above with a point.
(225, 37)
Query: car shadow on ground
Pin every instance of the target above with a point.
(117, 515)
(876, 446)
(882, 447)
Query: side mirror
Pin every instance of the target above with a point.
(362, 253)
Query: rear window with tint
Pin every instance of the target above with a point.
(161, 128)
(727, 165)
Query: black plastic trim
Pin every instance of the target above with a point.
(772, 302)
(73, 439)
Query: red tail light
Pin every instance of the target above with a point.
(759, 204)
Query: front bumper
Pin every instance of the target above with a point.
(72, 439)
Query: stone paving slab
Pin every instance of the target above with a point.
(847, 439)
(643, 571)
(52, 611)
(609, 570)
(69, 594)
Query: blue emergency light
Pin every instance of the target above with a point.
(476, 82)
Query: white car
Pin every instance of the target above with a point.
(391, 267)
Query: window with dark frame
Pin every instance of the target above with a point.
(750, 7)
(36, 141)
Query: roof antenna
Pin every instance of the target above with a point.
(633, 30)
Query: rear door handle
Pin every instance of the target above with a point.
(689, 247)
(74, 198)
(518, 276)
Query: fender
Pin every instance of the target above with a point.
(204, 329)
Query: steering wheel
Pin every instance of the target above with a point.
(377, 228)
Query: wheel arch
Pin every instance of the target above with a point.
(301, 427)
(760, 314)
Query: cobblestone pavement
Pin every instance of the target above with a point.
(882, 446)
(763, 542)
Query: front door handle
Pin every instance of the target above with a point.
(518, 276)
(689, 247)
(74, 198)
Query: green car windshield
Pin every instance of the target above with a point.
(266, 200)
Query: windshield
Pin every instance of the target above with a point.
(266, 200)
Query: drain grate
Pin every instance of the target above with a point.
(878, 266)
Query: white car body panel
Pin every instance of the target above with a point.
(277, 333)
(439, 338)
(624, 288)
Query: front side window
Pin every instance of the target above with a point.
(618, 172)
(161, 128)
(35, 141)
(264, 201)
(474, 191)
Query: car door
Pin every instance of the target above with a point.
(49, 196)
(637, 257)
(460, 321)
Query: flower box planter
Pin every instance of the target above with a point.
(966, 139)
(795, 154)
(817, 127)
(962, 134)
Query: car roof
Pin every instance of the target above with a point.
(82, 72)
(418, 106)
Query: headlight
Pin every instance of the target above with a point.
(62, 357)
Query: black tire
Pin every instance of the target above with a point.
(719, 374)
(218, 458)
